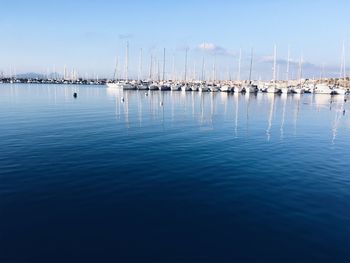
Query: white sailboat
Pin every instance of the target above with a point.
(250, 88)
(339, 89)
(139, 75)
(238, 88)
(323, 89)
(299, 89)
(153, 86)
(175, 87)
(186, 87)
(286, 89)
(273, 88)
(203, 88)
(113, 84)
(226, 88)
(125, 85)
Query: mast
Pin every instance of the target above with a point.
(115, 69)
(239, 65)
(139, 75)
(251, 66)
(341, 63)
(163, 77)
(288, 58)
(214, 69)
(274, 64)
(65, 72)
(186, 65)
(202, 76)
(228, 72)
(343, 66)
(150, 68)
(158, 71)
(173, 67)
(322, 72)
(194, 70)
(54, 72)
(127, 62)
(300, 69)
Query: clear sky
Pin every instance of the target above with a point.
(37, 36)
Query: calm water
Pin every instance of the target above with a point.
(202, 178)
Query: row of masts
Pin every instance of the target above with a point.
(156, 74)
(154, 67)
(160, 75)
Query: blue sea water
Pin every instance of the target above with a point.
(172, 176)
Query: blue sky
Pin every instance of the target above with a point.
(87, 35)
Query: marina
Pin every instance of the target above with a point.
(175, 131)
(218, 170)
(331, 87)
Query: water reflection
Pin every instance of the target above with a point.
(210, 110)
(268, 116)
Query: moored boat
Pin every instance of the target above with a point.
(323, 89)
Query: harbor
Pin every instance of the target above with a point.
(307, 86)
(182, 160)
(320, 86)
(201, 80)
(174, 131)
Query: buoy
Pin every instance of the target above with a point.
(161, 103)
(75, 94)
(122, 99)
(146, 94)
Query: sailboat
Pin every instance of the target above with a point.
(113, 84)
(299, 89)
(238, 87)
(175, 87)
(212, 86)
(323, 89)
(226, 88)
(339, 89)
(273, 88)
(203, 88)
(141, 85)
(186, 87)
(250, 88)
(124, 85)
(286, 89)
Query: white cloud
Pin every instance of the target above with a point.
(212, 48)
(207, 46)
(269, 59)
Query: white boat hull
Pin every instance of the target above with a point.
(298, 91)
(142, 87)
(113, 85)
(128, 87)
(340, 91)
(251, 89)
(203, 89)
(273, 90)
(225, 88)
(175, 87)
(153, 87)
(285, 90)
(323, 89)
